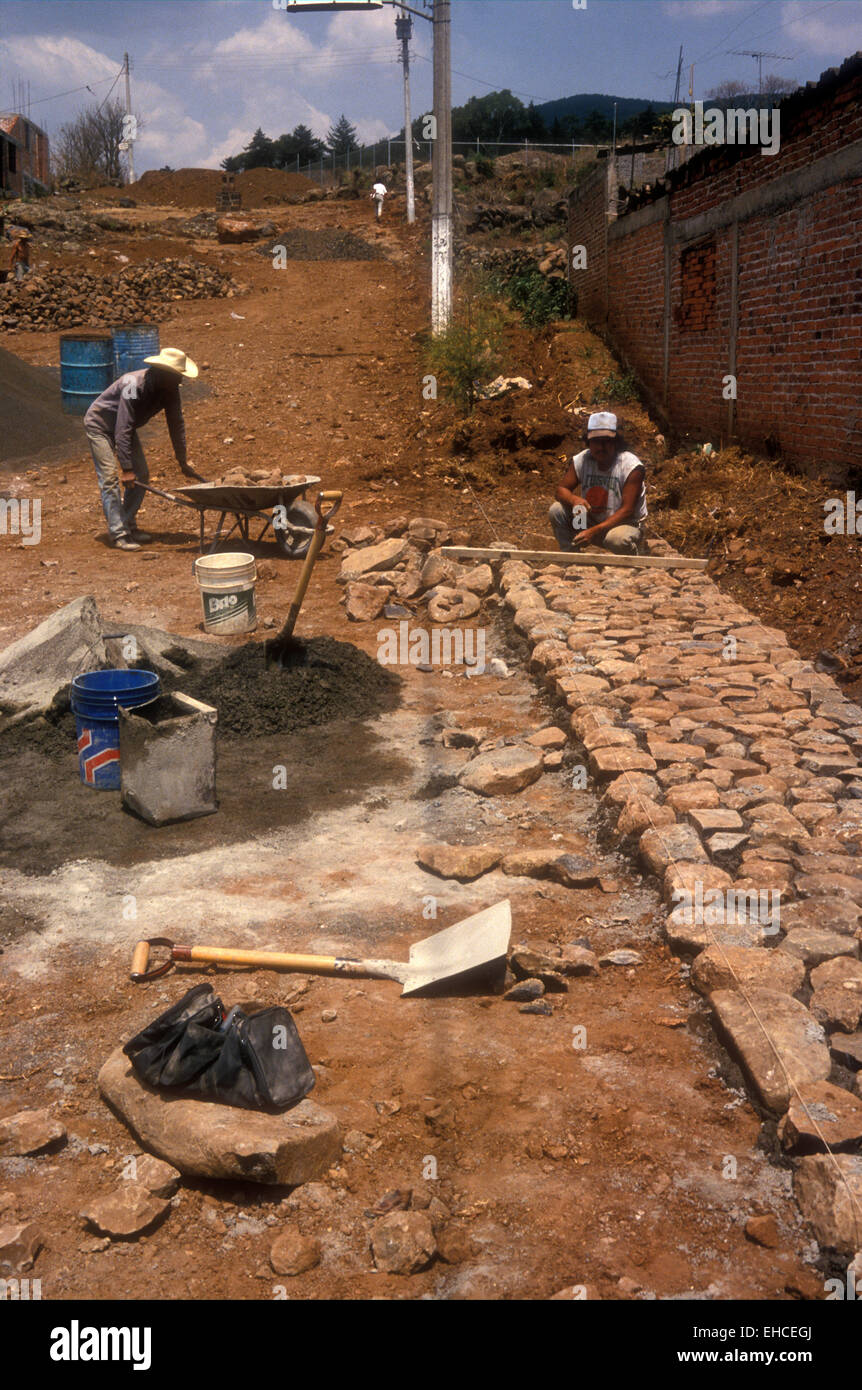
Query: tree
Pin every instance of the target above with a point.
(341, 138)
(597, 128)
(728, 90)
(641, 126)
(89, 146)
(301, 144)
(777, 87)
(257, 154)
(497, 117)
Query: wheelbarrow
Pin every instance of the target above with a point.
(283, 508)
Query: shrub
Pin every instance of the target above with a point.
(467, 350)
(616, 388)
(538, 300)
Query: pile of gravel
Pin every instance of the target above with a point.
(325, 244)
(137, 294)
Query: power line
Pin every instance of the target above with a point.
(110, 89)
(494, 86)
(98, 82)
(809, 14)
(738, 25)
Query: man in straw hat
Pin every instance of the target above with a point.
(601, 500)
(19, 260)
(112, 423)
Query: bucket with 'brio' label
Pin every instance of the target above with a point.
(226, 584)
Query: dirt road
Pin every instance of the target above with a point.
(628, 1164)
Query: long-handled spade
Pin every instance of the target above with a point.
(285, 649)
(470, 952)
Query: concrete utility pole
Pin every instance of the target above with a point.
(130, 141)
(441, 216)
(403, 31)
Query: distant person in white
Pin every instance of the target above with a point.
(378, 193)
(601, 500)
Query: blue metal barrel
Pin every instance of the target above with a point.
(86, 369)
(132, 345)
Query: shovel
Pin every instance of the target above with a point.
(473, 948)
(285, 650)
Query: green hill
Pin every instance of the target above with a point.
(583, 104)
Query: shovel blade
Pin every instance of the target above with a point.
(474, 947)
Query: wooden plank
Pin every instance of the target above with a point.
(574, 557)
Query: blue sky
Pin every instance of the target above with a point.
(205, 73)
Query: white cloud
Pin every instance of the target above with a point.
(370, 131)
(48, 60)
(203, 103)
(837, 28)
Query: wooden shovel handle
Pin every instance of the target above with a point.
(270, 960)
(223, 955)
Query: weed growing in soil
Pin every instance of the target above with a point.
(468, 350)
(538, 300)
(620, 389)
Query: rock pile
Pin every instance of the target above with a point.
(140, 293)
(385, 569)
(542, 209)
(257, 477)
(548, 257)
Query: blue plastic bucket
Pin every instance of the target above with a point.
(86, 369)
(132, 345)
(95, 697)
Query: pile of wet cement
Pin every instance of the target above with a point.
(335, 681)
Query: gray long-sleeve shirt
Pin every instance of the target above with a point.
(130, 402)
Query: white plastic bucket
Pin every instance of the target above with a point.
(226, 584)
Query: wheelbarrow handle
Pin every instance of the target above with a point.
(324, 517)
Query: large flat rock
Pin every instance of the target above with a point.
(735, 967)
(223, 1141)
(502, 771)
(796, 1037)
(827, 1189)
(382, 556)
(826, 1114)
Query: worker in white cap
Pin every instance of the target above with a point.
(378, 193)
(112, 423)
(601, 500)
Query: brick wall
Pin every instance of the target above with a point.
(33, 154)
(751, 266)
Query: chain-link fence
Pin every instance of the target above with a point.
(384, 153)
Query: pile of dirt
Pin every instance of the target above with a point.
(31, 417)
(199, 188)
(327, 244)
(336, 681)
(136, 294)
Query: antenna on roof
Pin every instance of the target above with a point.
(760, 54)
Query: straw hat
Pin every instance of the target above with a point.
(176, 361)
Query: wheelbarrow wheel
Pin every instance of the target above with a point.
(291, 543)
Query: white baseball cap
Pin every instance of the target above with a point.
(602, 425)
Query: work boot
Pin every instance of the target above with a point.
(142, 537)
(125, 543)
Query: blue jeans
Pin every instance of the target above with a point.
(120, 512)
(622, 540)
